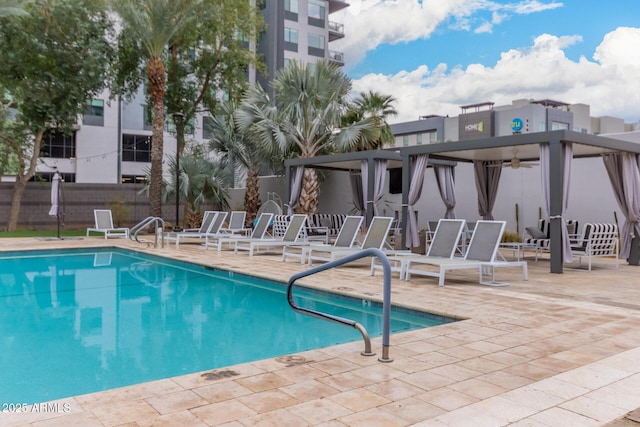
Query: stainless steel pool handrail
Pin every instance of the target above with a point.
(386, 302)
(157, 221)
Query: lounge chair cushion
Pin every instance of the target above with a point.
(536, 233)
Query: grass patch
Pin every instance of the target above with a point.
(43, 233)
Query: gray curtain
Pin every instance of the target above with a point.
(380, 171)
(418, 167)
(364, 179)
(446, 186)
(356, 191)
(296, 188)
(487, 173)
(625, 180)
(567, 154)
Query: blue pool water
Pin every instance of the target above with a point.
(74, 322)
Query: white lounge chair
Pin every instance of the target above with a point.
(346, 238)
(104, 224)
(481, 255)
(443, 245)
(375, 238)
(236, 224)
(291, 236)
(211, 223)
(259, 231)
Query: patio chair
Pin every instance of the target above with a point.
(104, 224)
(443, 245)
(262, 225)
(236, 224)
(346, 238)
(481, 255)
(375, 238)
(291, 236)
(211, 223)
(598, 240)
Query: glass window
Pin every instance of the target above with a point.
(207, 122)
(291, 6)
(316, 41)
(419, 138)
(317, 9)
(58, 145)
(291, 35)
(433, 137)
(136, 148)
(559, 126)
(405, 140)
(94, 113)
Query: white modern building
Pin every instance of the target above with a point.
(112, 142)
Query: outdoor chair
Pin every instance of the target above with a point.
(481, 255)
(211, 223)
(104, 224)
(236, 224)
(291, 236)
(443, 245)
(262, 225)
(598, 240)
(346, 238)
(375, 238)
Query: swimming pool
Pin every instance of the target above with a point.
(79, 321)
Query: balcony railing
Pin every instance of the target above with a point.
(337, 57)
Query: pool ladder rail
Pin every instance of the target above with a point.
(386, 304)
(157, 222)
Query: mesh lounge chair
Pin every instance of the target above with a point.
(346, 238)
(442, 246)
(291, 236)
(375, 238)
(481, 254)
(259, 231)
(211, 223)
(236, 223)
(104, 224)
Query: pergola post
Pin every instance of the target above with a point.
(556, 197)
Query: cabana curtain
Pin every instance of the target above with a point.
(446, 186)
(418, 167)
(545, 161)
(296, 188)
(380, 173)
(356, 191)
(487, 173)
(625, 180)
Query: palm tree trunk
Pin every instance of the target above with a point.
(310, 192)
(252, 197)
(157, 90)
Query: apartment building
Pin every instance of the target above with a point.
(112, 142)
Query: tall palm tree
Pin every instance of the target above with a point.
(241, 152)
(305, 118)
(154, 23)
(379, 108)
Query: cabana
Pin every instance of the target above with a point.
(555, 151)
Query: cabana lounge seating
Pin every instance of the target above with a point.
(598, 240)
(104, 224)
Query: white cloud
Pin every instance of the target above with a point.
(375, 22)
(609, 84)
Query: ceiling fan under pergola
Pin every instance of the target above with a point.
(516, 163)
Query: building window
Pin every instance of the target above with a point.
(58, 145)
(48, 177)
(94, 113)
(419, 139)
(291, 10)
(291, 39)
(207, 122)
(432, 136)
(316, 45)
(405, 140)
(136, 148)
(317, 10)
(559, 126)
(148, 117)
(133, 179)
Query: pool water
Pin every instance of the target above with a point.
(74, 322)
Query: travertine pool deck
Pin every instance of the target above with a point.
(556, 350)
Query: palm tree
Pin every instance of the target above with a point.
(241, 152)
(304, 118)
(202, 180)
(154, 23)
(379, 108)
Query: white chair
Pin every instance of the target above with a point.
(291, 237)
(211, 223)
(259, 231)
(236, 224)
(104, 224)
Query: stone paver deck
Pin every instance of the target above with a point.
(556, 350)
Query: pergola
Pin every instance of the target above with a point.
(487, 149)
(528, 145)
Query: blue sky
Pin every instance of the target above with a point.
(435, 55)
